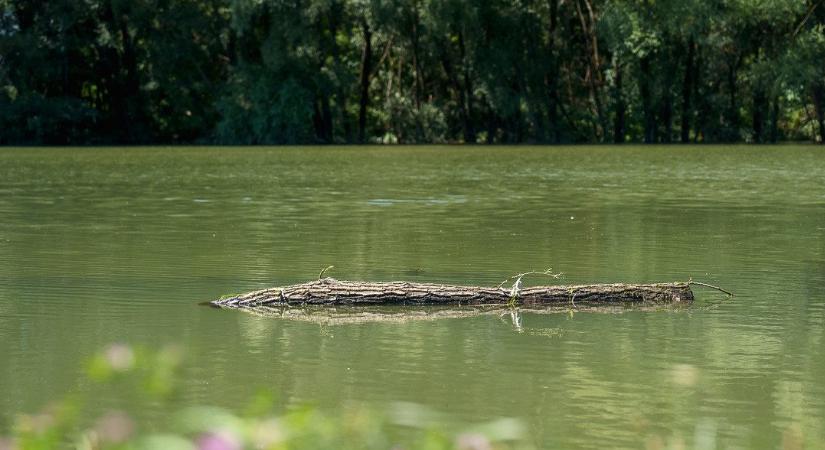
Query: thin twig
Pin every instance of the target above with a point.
(710, 286)
(321, 275)
(805, 19)
(548, 272)
(383, 56)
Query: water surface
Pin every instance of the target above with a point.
(102, 245)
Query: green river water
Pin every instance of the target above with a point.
(102, 245)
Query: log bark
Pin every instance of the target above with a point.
(330, 292)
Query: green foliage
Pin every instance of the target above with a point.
(409, 124)
(133, 370)
(801, 64)
(329, 71)
(259, 112)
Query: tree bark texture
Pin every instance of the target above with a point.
(329, 292)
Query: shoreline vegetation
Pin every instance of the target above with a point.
(270, 72)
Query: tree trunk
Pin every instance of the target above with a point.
(588, 25)
(702, 104)
(666, 117)
(123, 81)
(492, 126)
(552, 75)
(647, 106)
(759, 105)
(317, 120)
(322, 118)
(328, 291)
(366, 62)
(819, 108)
(687, 90)
(774, 120)
(621, 107)
(456, 82)
(460, 93)
(418, 82)
(467, 95)
(326, 115)
(733, 111)
(333, 18)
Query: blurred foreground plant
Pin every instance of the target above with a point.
(140, 372)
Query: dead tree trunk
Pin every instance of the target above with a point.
(328, 292)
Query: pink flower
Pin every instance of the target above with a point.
(219, 440)
(7, 444)
(115, 427)
(472, 441)
(120, 357)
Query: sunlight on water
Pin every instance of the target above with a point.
(120, 245)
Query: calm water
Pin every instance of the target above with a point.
(120, 244)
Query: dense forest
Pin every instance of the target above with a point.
(411, 71)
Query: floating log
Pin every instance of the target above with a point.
(332, 292)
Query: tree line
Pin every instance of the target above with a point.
(411, 71)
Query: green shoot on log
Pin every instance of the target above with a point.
(323, 271)
(514, 290)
